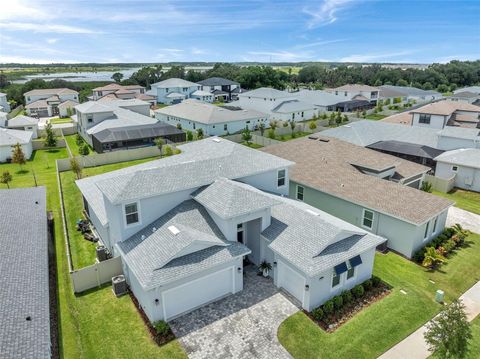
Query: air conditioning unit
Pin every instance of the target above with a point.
(102, 254)
(119, 285)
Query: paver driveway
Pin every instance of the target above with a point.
(243, 325)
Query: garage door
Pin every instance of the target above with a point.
(291, 281)
(193, 294)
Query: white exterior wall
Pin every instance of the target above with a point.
(268, 182)
(4, 103)
(141, 109)
(6, 151)
(288, 116)
(451, 143)
(465, 177)
(163, 92)
(436, 121)
(62, 97)
(155, 310)
(320, 286)
(261, 104)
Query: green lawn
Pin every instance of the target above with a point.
(83, 251)
(57, 120)
(380, 326)
(252, 145)
(72, 144)
(95, 324)
(469, 201)
(375, 117)
(288, 136)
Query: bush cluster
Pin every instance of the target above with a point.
(338, 303)
(444, 244)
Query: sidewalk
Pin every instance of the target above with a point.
(414, 346)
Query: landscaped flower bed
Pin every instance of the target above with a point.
(160, 331)
(338, 310)
(438, 250)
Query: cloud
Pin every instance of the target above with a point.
(14, 9)
(278, 56)
(374, 57)
(327, 12)
(197, 51)
(33, 60)
(319, 43)
(52, 41)
(44, 28)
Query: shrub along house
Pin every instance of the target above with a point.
(184, 224)
(366, 188)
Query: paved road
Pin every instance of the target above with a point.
(466, 219)
(243, 325)
(414, 346)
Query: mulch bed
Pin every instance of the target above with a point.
(157, 338)
(334, 321)
(52, 280)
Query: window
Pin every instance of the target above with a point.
(336, 93)
(335, 279)
(293, 116)
(426, 230)
(281, 178)
(350, 271)
(346, 93)
(225, 127)
(89, 119)
(367, 220)
(300, 193)
(302, 114)
(424, 118)
(435, 225)
(131, 213)
(454, 168)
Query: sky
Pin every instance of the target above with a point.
(108, 31)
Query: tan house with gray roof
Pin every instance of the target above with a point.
(376, 191)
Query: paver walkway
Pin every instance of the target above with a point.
(466, 219)
(243, 325)
(415, 347)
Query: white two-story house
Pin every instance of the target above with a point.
(174, 90)
(50, 102)
(183, 226)
(446, 113)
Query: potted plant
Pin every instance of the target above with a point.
(265, 267)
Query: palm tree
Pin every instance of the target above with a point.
(432, 258)
(159, 142)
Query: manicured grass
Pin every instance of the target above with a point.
(252, 145)
(83, 251)
(469, 201)
(385, 323)
(375, 117)
(58, 120)
(288, 136)
(95, 324)
(72, 144)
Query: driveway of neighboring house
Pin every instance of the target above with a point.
(467, 220)
(243, 325)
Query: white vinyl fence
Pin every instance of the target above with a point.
(444, 185)
(39, 144)
(96, 274)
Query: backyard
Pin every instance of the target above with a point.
(469, 201)
(92, 323)
(58, 120)
(375, 117)
(72, 144)
(385, 323)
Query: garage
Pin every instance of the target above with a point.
(193, 294)
(291, 280)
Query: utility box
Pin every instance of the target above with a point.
(439, 296)
(101, 253)
(119, 285)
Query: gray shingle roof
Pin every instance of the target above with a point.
(24, 268)
(318, 98)
(229, 199)
(158, 257)
(469, 157)
(410, 91)
(460, 132)
(313, 240)
(22, 121)
(10, 137)
(202, 163)
(174, 82)
(266, 92)
(199, 164)
(217, 81)
(365, 132)
(293, 106)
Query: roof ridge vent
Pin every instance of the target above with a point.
(216, 139)
(154, 229)
(174, 230)
(312, 212)
(142, 237)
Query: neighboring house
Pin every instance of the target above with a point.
(413, 93)
(365, 188)
(464, 164)
(222, 89)
(202, 95)
(279, 105)
(357, 92)
(9, 138)
(121, 124)
(323, 100)
(24, 264)
(4, 105)
(392, 95)
(465, 96)
(24, 123)
(213, 120)
(474, 89)
(50, 102)
(174, 90)
(119, 92)
(439, 115)
(3, 119)
(183, 239)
